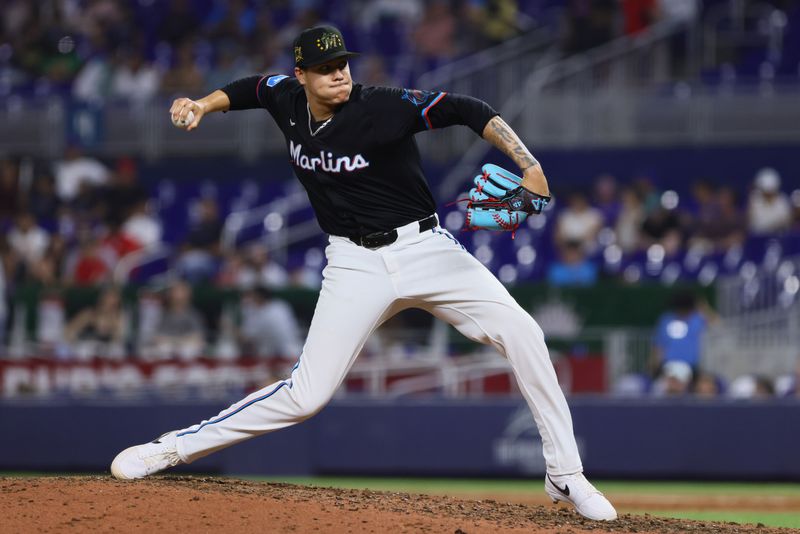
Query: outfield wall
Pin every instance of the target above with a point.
(683, 439)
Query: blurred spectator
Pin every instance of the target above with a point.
(605, 198)
(43, 202)
(679, 332)
(769, 210)
(638, 15)
(149, 310)
(77, 168)
(231, 64)
(578, 221)
(683, 12)
(184, 76)
(49, 271)
(665, 226)
(134, 80)
(630, 220)
(27, 239)
(99, 331)
(726, 228)
(590, 23)
(236, 272)
(268, 273)
(675, 379)
(231, 19)
(678, 10)
(89, 265)
(89, 205)
(796, 210)
(269, 328)
(702, 205)
(372, 71)
(492, 22)
(751, 387)
(9, 190)
(180, 332)
(198, 259)
(731, 219)
(50, 322)
(308, 271)
(305, 16)
(92, 84)
(434, 35)
(179, 21)
(117, 243)
(572, 268)
(707, 386)
(124, 191)
(647, 192)
(142, 226)
(268, 56)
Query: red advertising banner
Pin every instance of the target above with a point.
(42, 377)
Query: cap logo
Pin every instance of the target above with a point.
(329, 40)
(298, 54)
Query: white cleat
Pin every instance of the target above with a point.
(143, 460)
(576, 490)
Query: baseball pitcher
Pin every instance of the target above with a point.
(352, 147)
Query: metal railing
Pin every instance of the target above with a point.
(128, 263)
(760, 329)
(272, 218)
(425, 366)
(736, 23)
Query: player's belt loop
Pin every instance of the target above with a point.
(381, 239)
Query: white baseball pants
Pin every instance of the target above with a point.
(361, 289)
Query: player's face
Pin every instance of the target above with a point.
(330, 82)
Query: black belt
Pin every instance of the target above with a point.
(381, 239)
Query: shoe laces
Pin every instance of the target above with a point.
(155, 455)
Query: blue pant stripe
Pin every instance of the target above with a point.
(237, 410)
(448, 236)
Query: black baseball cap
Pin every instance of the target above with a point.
(318, 45)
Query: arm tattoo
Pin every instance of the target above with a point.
(500, 134)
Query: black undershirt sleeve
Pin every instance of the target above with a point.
(243, 93)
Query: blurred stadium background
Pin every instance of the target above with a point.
(149, 277)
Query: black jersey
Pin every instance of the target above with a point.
(362, 168)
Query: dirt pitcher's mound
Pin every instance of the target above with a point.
(186, 504)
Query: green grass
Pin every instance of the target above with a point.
(772, 519)
(424, 485)
(472, 486)
(691, 488)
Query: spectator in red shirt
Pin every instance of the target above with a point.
(638, 15)
(88, 267)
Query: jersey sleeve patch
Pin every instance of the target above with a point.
(416, 97)
(272, 81)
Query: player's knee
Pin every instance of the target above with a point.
(518, 322)
(310, 405)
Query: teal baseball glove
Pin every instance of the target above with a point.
(500, 202)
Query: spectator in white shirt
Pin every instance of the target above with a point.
(75, 169)
(142, 226)
(769, 210)
(269, 328)
(134, 80)
(27, 239)
(579, 221)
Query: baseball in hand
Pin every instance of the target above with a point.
(183, 123)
